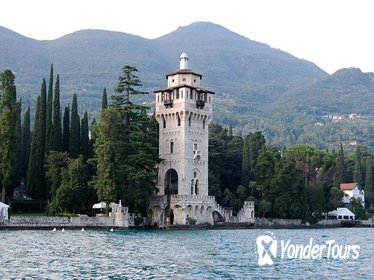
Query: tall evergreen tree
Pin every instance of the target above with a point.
(26, 140)
(49, 112)
(56, 139)
(369, 191)
(128, 84)
(35, 174)
(85, 142)
(9, 115)
(104, 102)
(66, 130)
(357, 177)
(339, 168)
(74, 139)
(246, 166)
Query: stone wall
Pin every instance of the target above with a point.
(290, 223)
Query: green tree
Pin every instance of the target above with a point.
(85, 142)
(368, 190)
(246, 165)
(49, 111)
(74, 140)
(9, 118)
(55, 162)
(66, 130)
(127, 85)
(35, 174)
(358, 168)
(339, 168)
(26, 141)
(56, 138)
(104, 101)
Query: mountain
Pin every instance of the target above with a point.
(89, 60)
(257, 87)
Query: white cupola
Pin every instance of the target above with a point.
(183, 61)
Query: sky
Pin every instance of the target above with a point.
(333, 34)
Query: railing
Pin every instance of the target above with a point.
(168, 103)
(200, 104)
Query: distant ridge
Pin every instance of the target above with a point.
(258, 87)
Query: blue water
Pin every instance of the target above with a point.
(192, 254)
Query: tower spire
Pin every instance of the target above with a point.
(183, 61)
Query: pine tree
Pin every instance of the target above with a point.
(35, 174)
(56, 139)
(127, 86)
(74, 147)
(9, 115)
(26, 140)
(339, 168)
(49, 111)
(104, 102)
(85, 143)
(66, 130)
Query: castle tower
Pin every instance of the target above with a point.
(183, 111)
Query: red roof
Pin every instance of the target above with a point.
(348, 186)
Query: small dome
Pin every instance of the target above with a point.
(183, 55)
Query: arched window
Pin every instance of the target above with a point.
(179, 120)
(197, 187)
(204, 123)
(191, 186)
(164, 122)
(189, 120)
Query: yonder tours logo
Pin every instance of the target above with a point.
(269, 248)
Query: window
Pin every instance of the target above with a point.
(191, 95)
(158, 98)
(184, 79)
(177, 97)
(205, 97)
(209, 99)
(172, 80)
(194, 80)
(164, 122)
(204, 123)
(189, 120)
(179, 120)
(197, 187)
(195, 146)
(171, 147)
(162, 97)
(192, 186)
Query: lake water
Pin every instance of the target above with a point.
(175, 254)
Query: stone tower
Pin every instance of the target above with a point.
(183, 111)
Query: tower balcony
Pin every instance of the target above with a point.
(168, 103)
(200, 104)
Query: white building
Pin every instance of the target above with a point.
(3, 212)
(342, 214)
(184, 110)
(352, 190)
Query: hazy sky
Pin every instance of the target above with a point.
(333, 34)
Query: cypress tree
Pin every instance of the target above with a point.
(49, 111)
(66, 130)
(9, 115)
(25, 142)
(35, 179)
(246, 169)
(85, 143)
(358, 169)
(74, 139)
(104, 102)
(56, 138)
(339, 168)
(369, 181)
